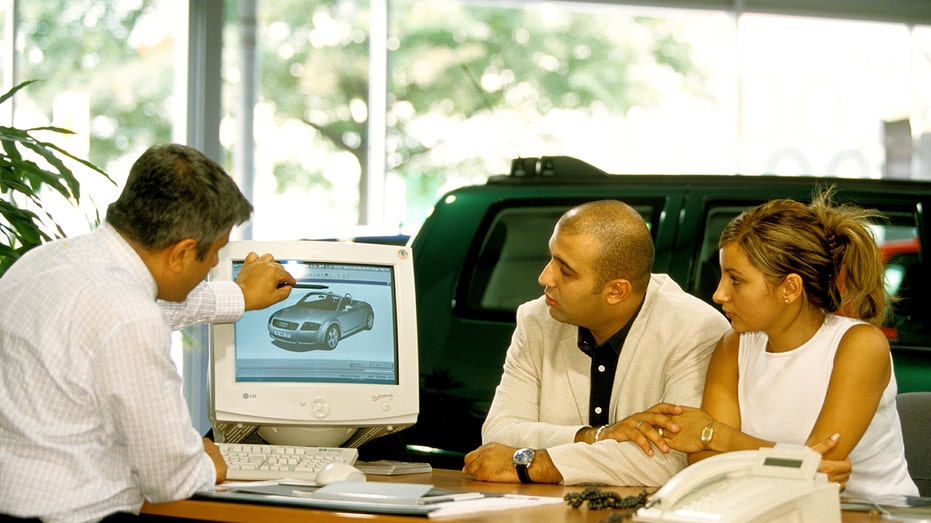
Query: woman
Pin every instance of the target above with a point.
(796, 367)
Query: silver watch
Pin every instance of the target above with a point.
(523, 458)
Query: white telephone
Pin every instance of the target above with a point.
(778, 484)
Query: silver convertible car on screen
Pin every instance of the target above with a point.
(319, 319)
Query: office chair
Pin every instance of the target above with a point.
(915, 413)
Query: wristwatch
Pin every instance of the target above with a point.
(706, 434)
(523, 458)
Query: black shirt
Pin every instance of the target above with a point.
(604, 366)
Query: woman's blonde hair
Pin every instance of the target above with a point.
(830, 246)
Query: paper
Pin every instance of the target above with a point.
(373, 492)
(488, 503)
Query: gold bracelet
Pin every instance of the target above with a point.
(598, 432)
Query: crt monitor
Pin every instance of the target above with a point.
(335, 364)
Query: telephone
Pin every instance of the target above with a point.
(778, 484)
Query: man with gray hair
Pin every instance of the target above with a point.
(93, 422)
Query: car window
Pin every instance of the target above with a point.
(512, 253)
(708, 268)
(324, 302)
(907, 317)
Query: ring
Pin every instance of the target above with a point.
(637, 426)
(660, 430)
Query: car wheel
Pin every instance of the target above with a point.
(369, 321)
(331, 339)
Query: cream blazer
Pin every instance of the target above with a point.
(542, 399)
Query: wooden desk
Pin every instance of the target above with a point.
(447, 479)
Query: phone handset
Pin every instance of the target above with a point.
(707, 471)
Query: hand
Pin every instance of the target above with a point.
(263, 281)
(644, 428)
(691, 423)
(213, 451)
(492, 462)
(837, 471)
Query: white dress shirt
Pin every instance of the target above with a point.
(92, 419)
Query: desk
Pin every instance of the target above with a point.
(448, 479)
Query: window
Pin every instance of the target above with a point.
(368, 111)
(107, 72)
(513, 253)
(907, 318)
(833, 97)
(708, 267)
(365, 112)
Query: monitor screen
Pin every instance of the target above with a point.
(338, 355)
(332, 307)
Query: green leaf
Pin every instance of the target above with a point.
(21, 228)
(13, 91)
(55, 179)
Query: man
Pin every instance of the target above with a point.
(599, 364)
(93, 421)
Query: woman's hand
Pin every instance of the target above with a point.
(691, 422)
(837, 471)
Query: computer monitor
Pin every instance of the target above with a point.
(335, 364)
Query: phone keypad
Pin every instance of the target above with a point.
(727, 495)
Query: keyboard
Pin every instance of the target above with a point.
(247, 461)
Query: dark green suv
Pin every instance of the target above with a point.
(478, 255)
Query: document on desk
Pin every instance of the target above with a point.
(377, 497)
(390, 493)
(489, 503)
(269, 493)
(442, 503)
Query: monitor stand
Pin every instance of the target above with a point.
(306, 436)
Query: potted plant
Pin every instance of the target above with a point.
(22, 181)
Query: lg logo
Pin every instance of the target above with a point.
(247, 396)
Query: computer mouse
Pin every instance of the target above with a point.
(332, 472)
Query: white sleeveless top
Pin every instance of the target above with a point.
(781, 394)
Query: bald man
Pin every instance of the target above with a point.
(598, 364)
